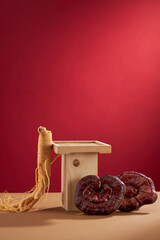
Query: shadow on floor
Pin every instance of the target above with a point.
(43, 217)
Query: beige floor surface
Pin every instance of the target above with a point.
(53, 222)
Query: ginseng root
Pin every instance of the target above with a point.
(42, 177)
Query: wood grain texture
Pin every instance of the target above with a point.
(71, 174)
(79, 159)
(66, 147)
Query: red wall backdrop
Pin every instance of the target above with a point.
(85, 70)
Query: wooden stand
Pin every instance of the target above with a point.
(79, 159)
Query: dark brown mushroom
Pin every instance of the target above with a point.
(140, 190)
(96, 195)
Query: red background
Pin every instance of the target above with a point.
(85, 70)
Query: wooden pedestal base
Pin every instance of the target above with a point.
(79, 159)
(74, 167)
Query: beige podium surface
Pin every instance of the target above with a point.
(51, 221)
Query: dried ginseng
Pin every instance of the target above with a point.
(42, 177)
(140, 190)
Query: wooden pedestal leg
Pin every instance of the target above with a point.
(74, 167)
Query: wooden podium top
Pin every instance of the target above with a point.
(52, 222)
(66, 147)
